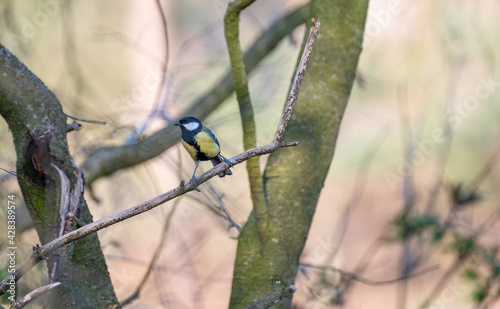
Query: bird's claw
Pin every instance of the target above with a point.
(194, 180)
(227, 161)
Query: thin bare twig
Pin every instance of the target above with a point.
(444, 151)
(167, 54)
(356, 195)
(224, 208)
(353, 276)
(33, 295)
(297, 81)
(441, 284)
(85, 120)
(488, 167)
(407, 261)
(156, 255)
(163, 74)
(211, 207)
(369, 255)
(459, 262)
(274, 298)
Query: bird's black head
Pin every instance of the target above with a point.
(190, 124)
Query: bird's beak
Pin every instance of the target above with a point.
(177, 124)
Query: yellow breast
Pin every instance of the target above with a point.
(190, 149)
(207, 144)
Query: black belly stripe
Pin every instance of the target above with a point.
(188, 137)
(199, 155)
(202, 157)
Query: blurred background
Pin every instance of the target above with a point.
(413, 183)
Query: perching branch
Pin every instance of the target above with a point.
(107, 160)
(43, 251)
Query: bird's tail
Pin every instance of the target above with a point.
(219, 159)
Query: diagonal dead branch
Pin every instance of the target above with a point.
(297, 81)
(33, 295)
(40, 252)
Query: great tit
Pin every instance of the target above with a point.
(201, 144)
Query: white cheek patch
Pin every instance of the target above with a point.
(191, 126)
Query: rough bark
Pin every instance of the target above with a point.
(46, 174)
(268, 260)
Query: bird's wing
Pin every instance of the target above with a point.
(211, 135)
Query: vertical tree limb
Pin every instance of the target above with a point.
(231, 29)
(46, 172)
(293, 179)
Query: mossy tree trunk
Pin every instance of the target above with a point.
(294, 177)
(49, 178)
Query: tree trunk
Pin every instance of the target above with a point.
(268, 258)
(49, 179)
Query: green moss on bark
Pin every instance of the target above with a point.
(38, 127)
(295, 176)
